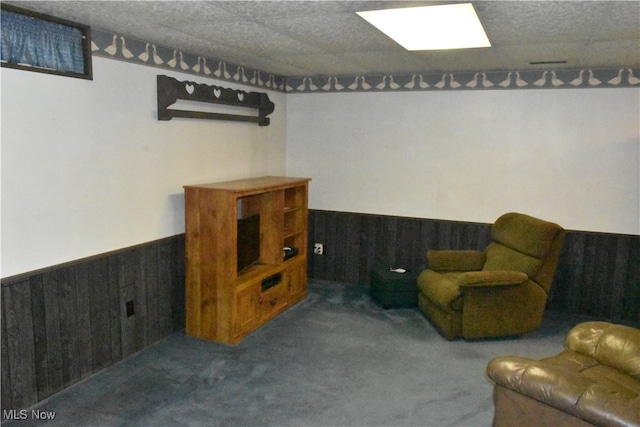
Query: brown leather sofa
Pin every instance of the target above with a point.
(594, 381)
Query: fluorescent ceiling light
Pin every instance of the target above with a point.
(454, 26)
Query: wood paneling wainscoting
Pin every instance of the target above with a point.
(598, 274)
(62, 324)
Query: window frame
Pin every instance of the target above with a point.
(86, 45)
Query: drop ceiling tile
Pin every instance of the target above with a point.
(619, 23)
(326, 64)
(185, 13)
(519, 22)
(624, 53)
(347, 33)
(252, 38)
(388, 62)
(260, 10)
(520, 56)
(278, 66)
(460, 60)
(326, 37)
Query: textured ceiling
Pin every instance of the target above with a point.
(313, 38)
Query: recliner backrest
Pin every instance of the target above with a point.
(501, 257)
(523, 243)
(524, 233)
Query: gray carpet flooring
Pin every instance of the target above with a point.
(335, 359)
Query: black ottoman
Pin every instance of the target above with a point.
(393, 289)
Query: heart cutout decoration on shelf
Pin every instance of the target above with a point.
(170, 90)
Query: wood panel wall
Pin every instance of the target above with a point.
(598, 274)
(64, 323)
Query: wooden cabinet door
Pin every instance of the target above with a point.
(247, 310)
(297, 281)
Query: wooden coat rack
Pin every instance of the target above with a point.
(170, 90)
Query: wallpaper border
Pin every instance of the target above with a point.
(121, 47)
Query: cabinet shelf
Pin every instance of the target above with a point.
(290, 209)
(291, 233)
(293, 259)
(257, 272)
(222, 304)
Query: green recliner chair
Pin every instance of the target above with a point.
(499, 292)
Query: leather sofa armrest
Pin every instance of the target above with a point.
(545, 383)
(491, 278)
(566, 390)
(455, 260)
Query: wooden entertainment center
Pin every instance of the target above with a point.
(222, 304)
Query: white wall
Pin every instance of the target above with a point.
(570, 156)
(87, 167)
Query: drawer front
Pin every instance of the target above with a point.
(274, 300)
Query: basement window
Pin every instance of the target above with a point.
(36, 42)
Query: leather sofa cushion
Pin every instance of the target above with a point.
(609, 344)
(590, 368)
(614, 379)
(569, 359)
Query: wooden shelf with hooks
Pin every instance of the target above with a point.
(171, 90)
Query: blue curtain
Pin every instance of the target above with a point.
(27, 40)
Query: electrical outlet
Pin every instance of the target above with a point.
(318, 249)
(130, 308)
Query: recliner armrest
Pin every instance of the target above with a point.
(491, 278)
(455, 260)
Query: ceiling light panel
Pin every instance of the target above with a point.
(454, 26)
